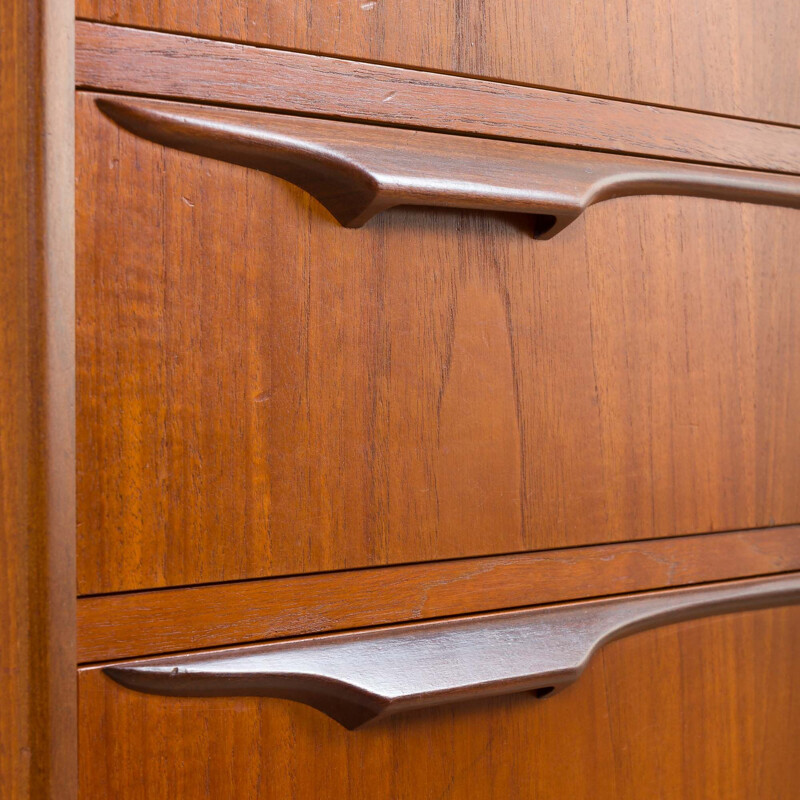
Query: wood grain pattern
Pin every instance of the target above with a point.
(729, 56)
(360, 677)
(693, 711)
(148, 62)
(170, 620)
(358, 171)
(38, 702)
(269, 393)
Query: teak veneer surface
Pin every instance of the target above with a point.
(737, 57)
(262, 392)
(128, 60)
(693, 711)
(189, 618)
(38, 693)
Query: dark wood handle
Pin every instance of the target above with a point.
(358, 677)
(358, 170)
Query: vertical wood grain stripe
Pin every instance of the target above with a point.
(170, 620)
(166, 65)
(38, 692)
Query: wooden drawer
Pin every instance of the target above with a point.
(699, 709)
(728, 56)
(264, 392)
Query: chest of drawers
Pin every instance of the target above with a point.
(424, 362)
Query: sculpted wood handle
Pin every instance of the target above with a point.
(358, 677)
(358, 170)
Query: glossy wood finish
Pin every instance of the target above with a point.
(729, 56)
(269, 393)
(358, 171)
(147, 62)
(360, 677)
(692, 711)
(38, 703)
(262, 393)
(162, 621)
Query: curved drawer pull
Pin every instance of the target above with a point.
(357, 171)
(358, 677)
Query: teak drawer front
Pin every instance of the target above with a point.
(263, 392)
(696, 710)
(735, 57)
